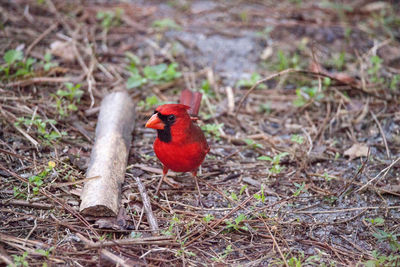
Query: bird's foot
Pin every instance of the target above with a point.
(173, 183)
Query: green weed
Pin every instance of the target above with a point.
(37, 180)
(327, 177)
(276, 167)
(66, 100)
(306, 94)
(157, 74)
(260, 197)
(166, 24)
(149, 102)
(252, 144)
(395, 83)
(300, 189)
(299, 139)
(47, 63)
(391, 238)
(373, 70)
(212, 129)
(228, 250)
(21, 260)
(254, 78)
(110, 19)
(169, 232)
(41, 127)
(208, 218)
(382, 260)
(287, 61)
(14, 62)
(236, 224)
(376, 221)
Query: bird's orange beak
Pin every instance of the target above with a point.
(155, 123)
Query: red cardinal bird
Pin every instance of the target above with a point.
(180, 144)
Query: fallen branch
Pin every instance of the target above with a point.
(152, 240)
(151, 219)
(101, 197)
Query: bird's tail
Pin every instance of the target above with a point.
(193, 100)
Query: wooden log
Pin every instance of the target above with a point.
(101, 196)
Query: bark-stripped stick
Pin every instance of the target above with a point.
(151, 219)
(101, 197)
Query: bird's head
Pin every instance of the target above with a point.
(169, 117)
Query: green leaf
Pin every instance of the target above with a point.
(155, 72)
(166, 24)
(208, 218)
(299, 139)
(265, 158)
(135, 81)
(12, 56)
(72, 107)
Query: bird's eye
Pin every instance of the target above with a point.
(171, 118)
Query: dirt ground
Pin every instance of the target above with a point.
(304, 164)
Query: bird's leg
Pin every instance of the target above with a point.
(170, 182)
(194, 173)
(164, 171)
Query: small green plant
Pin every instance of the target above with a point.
(327, 177)
(285, 62)
(242, 189)
(260, 197)
(14, 61)
(135, 80)
(47, 63)
(373, 70)
(299, 139)
(66, 100)
(169, 232)
(10, 57)
(330, 199)
(276, 167)
(234, 196)
(228, 250)
(382, 260)
(208, 218)
(378, 221)
(18, 193)
(109, 18)
(300, 188)
(395, 83)
(135, 234)
(236, 224)
(157, 74)
(41, 127)
(184, 251)
(295, 261)
(391, 238)
(166, 24)
(212, 129)
(339, 61)
(37, 180)
(252, 144)
(162, 72)
(20, 260)
(73, 92)
(206, 89)
(254, 78)
(265, 107)
(306, 94)
(45, 253)
(149, 102)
